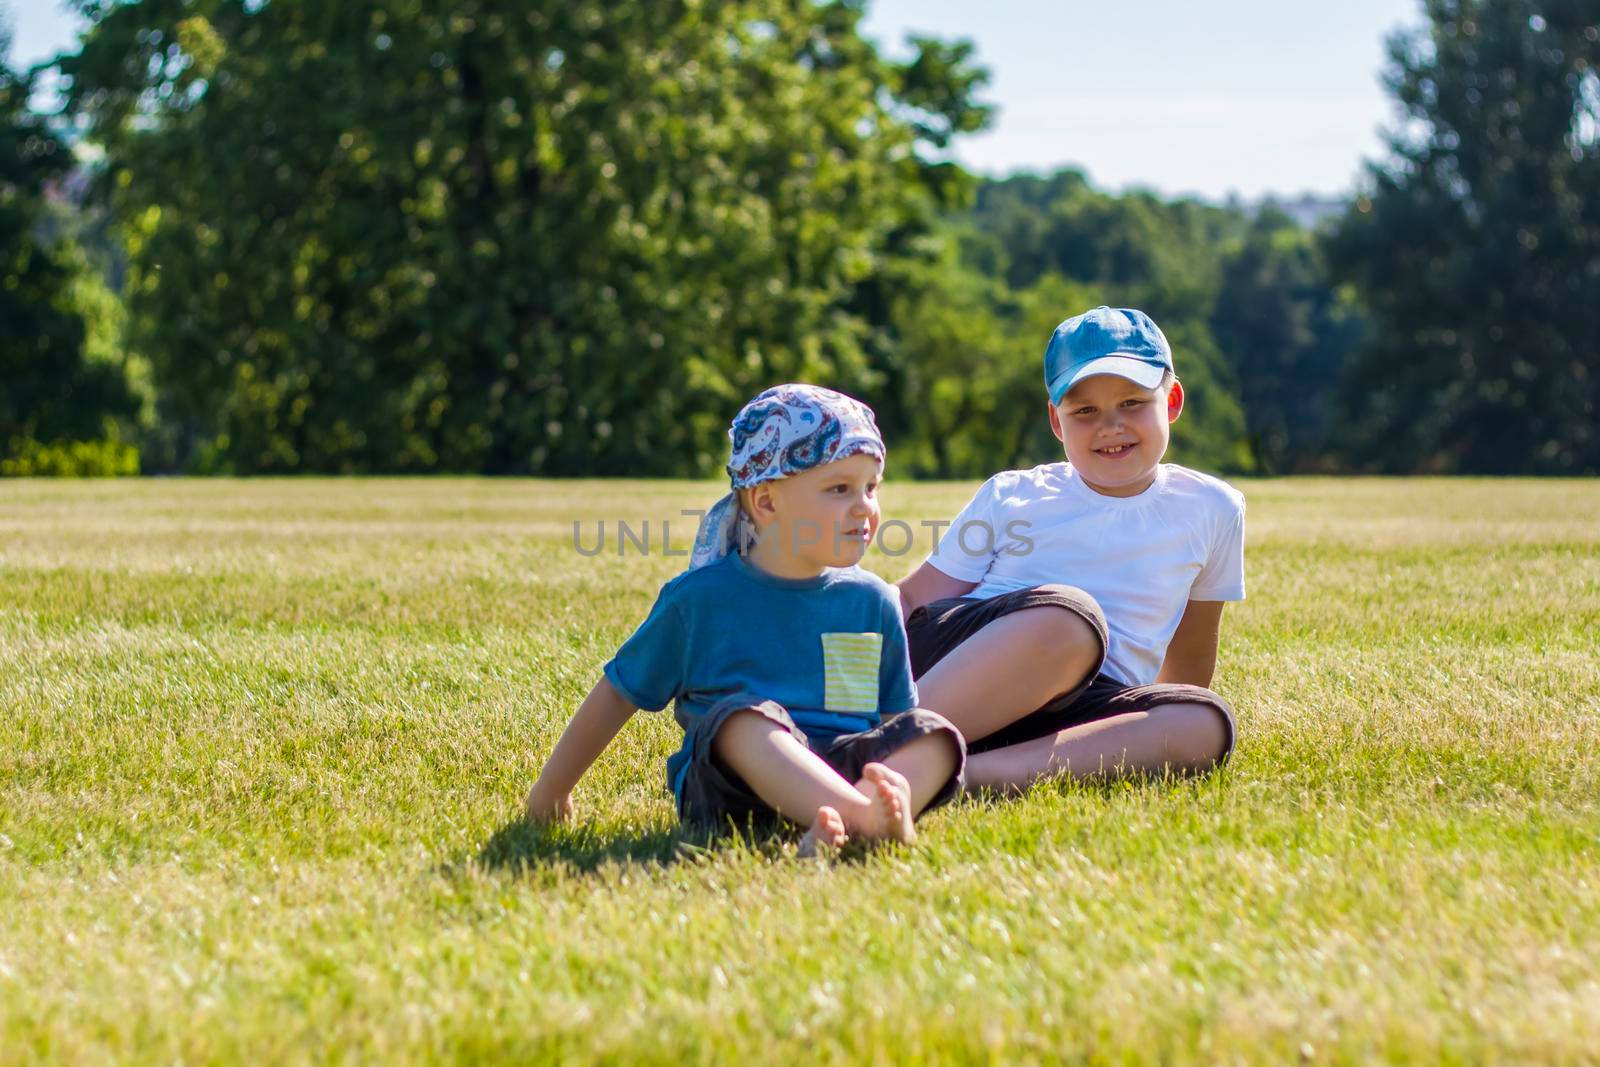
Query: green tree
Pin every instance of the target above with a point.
(1477, 247)
(560, 236)
(50, 390)
(1287, 333)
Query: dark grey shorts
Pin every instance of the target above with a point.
(713, 795)
(935, 629)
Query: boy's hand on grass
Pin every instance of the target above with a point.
(603, 712)
(544, 810)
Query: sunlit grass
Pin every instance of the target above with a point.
(262, 746)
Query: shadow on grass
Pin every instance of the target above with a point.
(1103, 787)
(522, 846)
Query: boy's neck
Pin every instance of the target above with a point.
(1121, 491)
(770, 555)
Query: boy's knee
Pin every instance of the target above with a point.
(746, 725)
(1085, 607)
(1056, 629)
(944, 733)
(1062, 642)
(927, 732)
(1199, 735)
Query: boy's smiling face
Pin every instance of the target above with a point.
(825, 517)
(1115, 431)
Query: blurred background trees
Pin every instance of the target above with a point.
(65, 400)
(1477, 249)
(572, 237)
(505, 237)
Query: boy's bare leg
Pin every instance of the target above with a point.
(1013, 666)
(1180, 738)
(926, 764)
(797, 783)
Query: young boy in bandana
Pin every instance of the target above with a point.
(786, 662)
(1068, 621)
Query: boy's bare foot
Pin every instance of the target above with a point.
(826, 834)
(890, 816)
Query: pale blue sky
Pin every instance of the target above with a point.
(1182, 96)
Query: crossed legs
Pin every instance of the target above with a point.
(800, 785)
(1020, 662)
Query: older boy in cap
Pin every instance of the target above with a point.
(1068, 620)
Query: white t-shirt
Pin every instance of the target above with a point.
(1143, 558)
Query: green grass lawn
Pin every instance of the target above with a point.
(263, 745)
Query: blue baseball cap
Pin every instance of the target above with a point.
(1120, 341)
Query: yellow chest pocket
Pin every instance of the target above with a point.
(850, 671)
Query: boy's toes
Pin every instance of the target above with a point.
(890, 798)
(880, 774)
(827, 833)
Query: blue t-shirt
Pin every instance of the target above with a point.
(830, 649)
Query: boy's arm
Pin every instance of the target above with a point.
(1192, 653)
(925, 585)
(603, 712)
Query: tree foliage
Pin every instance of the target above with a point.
(52, 391)
(1286, 332)
(554, 237)
(1477, 247)
(570, 238)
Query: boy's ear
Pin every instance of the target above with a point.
(759, 502)
(1055, 421)
(1174, 401)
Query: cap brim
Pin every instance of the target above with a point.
(1141, 373)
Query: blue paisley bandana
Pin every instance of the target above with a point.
(787, 430)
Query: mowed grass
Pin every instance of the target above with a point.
(263, 746)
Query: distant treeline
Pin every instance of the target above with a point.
(570, 237)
